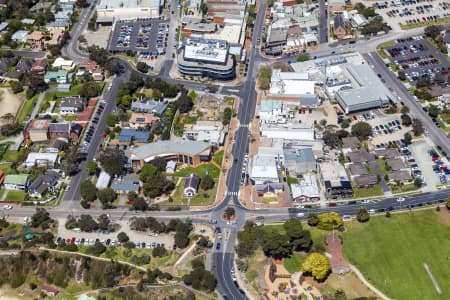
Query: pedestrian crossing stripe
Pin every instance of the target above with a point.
(243, 125)
(232, 193)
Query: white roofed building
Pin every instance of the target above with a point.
(291, 84)
(129, 9)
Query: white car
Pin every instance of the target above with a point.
(7, 206)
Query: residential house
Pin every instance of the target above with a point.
(191, 185)
(358, 169)
(60, 76)
(387, 153)
(5, 62)
(141, 120)
(149, 106)
(75, 131)
(124, 186)
(72, 104)
(58, 130)
(3, 26)
(13, 75)
(43, 184)
(350, 143)
(16, 182)
(365, 181)
(36, 130)
(128, 135)
(20, 36)
(65, 64)
(339, 28)
(47, 290)
(41, 159)
(357, 156)
(36, 40)
(395, 164)
(56, 36)
(39, 67)
(39, 8)
(336, 6)
(61, 24)
(24, 65)
(399, 176)
(92, 68)
(269, 189)
(171, 166)
(306, 190)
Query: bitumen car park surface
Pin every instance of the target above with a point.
(417, 57)
(146, 37)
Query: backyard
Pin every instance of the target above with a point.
(373, 191)
(391, 253)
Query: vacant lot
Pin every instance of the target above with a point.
(391, 253)
(9, 103)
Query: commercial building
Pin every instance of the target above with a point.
(124, 186)
(265, 165)
(206, 58)
(287, 132)
(188, 152)
(335, 180)
(272, 111)
(209, 133)
(299, 161)
(72, 104)
(129, 9)
(36, 130)
(306, 190)
(149, 106)
(130, 134)
(16, 182)
(291, 84)
(103, 180)
(38, 159)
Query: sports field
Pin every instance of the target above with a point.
(391, 253)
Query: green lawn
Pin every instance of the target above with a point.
(7, 168)
(382, 166)
(218, 157)
(391, 253)
(374, 191)
(408, 187)
(27, 109)
(11, 155)
(202, 198)
(15, 196)
(292, 180)
(200, 171)
(294, 263)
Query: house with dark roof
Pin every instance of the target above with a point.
(39, 66)
(130, 134)
(58, 130)
(269, 188)
(365, 181)
(75, 131)
(43, 184)
(24, 65)
(399, 176)
(357, 156)
(5, 62)
(191, 184)
(339, 27)
(358, 169)
(123, 186)
(395, 164)
(72, 104)
(350, 143)
(309, 101)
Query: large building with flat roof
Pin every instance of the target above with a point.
(206, 58)
(188, 152)
(129, 9)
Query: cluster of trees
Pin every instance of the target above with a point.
(165, 89)
(199, 278)
(362, 130)
(41, 218)
(142, 67)
(155, 182)
(87, 224)
(112, 161)
(333, 138)
(151, 277)
(90, 193)
(227, 114)
(181, 229)
(71, 161)
(274, 243)
(264, 76)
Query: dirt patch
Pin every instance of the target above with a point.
(351, 285)
(443, 216)
(9, 103)
(338, 262)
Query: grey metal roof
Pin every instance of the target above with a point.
(149, 106)
(167, 147)
(338, 21)
(300, 155)
(309, 100)
(192, 181)
(126, 185)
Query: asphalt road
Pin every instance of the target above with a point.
(323, 22)
(437, 135)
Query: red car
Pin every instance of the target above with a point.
(72, 240)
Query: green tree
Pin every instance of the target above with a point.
(407, 138)
(16, 86)
(204, 8)
(417, 182)
(91, 167)
(276, 245)
(328, 221)
(249, 239)
(303, 57)
(340, 295)
(361, 130)
(362, 215)
(433, 111)
(229, 212)
(299, 238)
(122, 237)
(97, 249)
(417, 127)
(140, 204)
(184, 103)
(90, 89)
(345, 123)
(207, 182)
(312, 219)
(106, 196)
(404, 110)
(112, 161)
(142, 67)
(88, 190)
(264, 76)
(227, 114)
(433, 31)
(147, 171)
(111, 120)
(318, 265)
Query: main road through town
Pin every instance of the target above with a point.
(223, 258)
